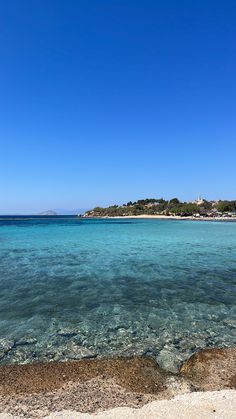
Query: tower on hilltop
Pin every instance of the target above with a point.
(199, 200)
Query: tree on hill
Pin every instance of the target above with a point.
(173, 202)
(185, 209)
(206, 205)
(225, 206)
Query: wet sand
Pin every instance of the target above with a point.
(93, 386)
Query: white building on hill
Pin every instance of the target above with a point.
(199, 200)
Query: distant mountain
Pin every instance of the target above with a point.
(49, 212)
(64, 211)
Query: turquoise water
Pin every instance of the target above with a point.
(74, 288)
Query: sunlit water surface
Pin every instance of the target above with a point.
(74, 288)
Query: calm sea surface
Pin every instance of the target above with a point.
(72, 288)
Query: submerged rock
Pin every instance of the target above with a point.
(72, 350)
(82, 353)
(5, 346)
(132, 351)
(20, 355)
(169, 359)
(67, 333)
(26, 341)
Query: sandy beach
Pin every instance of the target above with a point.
(215, 404)
(173, 217)
(121, 387)
(211, 404)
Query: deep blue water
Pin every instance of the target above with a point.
(74, 288)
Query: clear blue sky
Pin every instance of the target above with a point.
(106, 101)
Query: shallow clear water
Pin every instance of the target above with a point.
(73, 288)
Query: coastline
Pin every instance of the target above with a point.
(88, 388)
(169, 217)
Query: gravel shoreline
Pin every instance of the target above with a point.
(98, 386)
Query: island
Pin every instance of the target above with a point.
(49, 212)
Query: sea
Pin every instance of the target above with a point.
(75, 288)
